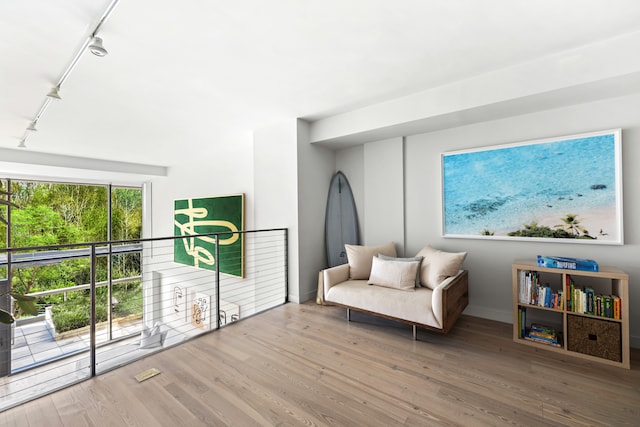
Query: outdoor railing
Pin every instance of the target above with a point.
(110, 303)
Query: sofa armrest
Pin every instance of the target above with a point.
(334, 275)
(450, 298)
(330, 277)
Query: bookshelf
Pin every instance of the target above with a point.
(551, 322)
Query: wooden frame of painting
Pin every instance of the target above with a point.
(565, 189)
(198, 216)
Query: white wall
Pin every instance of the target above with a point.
(315, 168)
(205, 175)
(350, 162)
(383, 193)
(225, 169)
(375, 172)
(276, 187)
(587, 73)
(489, 262)
(291, 181)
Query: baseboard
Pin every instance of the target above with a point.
(307, 296)
(293, 298)
(489, 313)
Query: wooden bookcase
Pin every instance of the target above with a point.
(586, 336)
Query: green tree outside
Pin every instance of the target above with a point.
(44, 213)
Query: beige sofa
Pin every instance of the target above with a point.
(429, 291)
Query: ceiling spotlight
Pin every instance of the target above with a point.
(96, 47)
(32, 127)
(53, 94)
(22, 144)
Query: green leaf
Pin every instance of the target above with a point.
(6, 317)
(19, 297)
(28, 307)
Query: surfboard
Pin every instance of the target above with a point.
(341, 221)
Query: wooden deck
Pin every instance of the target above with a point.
(305, 365)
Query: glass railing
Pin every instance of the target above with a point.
(107, 304)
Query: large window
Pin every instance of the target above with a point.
(37, 213)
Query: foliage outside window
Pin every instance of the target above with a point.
(45, 213)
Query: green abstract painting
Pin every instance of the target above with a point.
(194, 217)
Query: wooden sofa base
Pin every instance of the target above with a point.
(455, 297)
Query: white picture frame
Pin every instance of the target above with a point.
(570, 185)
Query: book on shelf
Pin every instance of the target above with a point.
(543, 334)
(543, 329)
(567, 263)
(531, 291)
(599, 306)
(543, 337)
(578, 300)
(570, 297)
(607, 306)
(543, 341)
(569, 292)
(589, 298)
(617, 306)
(586, 301)
(522, 322)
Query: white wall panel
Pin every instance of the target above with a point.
(384, 193)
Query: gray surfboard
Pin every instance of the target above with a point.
(341, 221)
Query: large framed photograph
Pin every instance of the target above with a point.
(566, 189)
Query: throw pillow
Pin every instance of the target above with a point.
(360, 258)
(438, 265)
(415, 258)
(394, 274)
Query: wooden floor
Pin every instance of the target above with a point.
(305, 365)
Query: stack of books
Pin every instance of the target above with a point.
(586, 301)
(543, 334)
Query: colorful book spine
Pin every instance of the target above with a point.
(548, 295)
(599, 310)
(568, 293)
(617, 306)
(543, 341)
(607, 306)
(566, 263)
(519, 322)
(561, 299)
(589, 298)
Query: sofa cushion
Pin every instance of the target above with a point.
(395, 274)
(438, 265)
(361, 257)
(413, 306)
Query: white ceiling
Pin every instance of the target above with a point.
(199, 73)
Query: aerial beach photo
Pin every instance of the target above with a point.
(564, 188)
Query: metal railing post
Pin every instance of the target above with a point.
(109, 264)
(286, 265)
(6, 331)
(218, 281)
(92, 311)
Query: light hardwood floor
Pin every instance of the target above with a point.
(305, 365)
